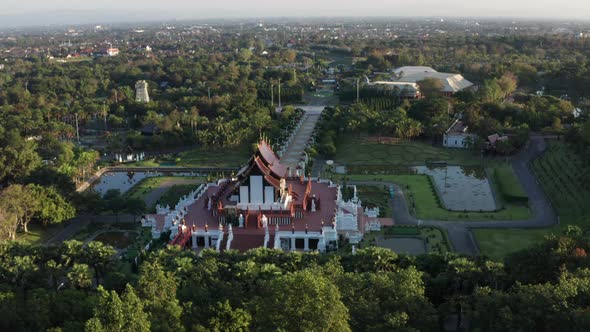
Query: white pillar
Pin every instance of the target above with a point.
(194, 241)
(206, 241)
(293, 244)
(306, 244)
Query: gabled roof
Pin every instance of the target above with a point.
(271, 160)
(451, 82)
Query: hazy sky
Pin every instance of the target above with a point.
(56, 11)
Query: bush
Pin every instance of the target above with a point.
(509, 186)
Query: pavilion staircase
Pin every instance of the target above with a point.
(243, 242)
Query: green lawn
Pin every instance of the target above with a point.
(361, 151)
(200, 157)
(497, 243)
(146, 185)
(38, 234)
(561, 175)
(424, 204)
(508, 185)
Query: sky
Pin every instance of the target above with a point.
(19, 12)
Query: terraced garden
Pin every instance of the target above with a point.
(565, 180)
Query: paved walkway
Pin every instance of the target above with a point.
(80, 222)
(295, 150)
(459, 232)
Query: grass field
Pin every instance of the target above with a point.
(560, 173)
(200, 157)
(508, 185)
(497, 243)
(424, 204)
(38, 234)
(173, 195)
(360, 151)
(147, 185)
(234, 157)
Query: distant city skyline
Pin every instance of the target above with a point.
(41, 12)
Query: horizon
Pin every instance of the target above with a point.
(66, 12)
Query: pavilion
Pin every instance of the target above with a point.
(266, 204)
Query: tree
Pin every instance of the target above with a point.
(390, 301)
(431, 87)
(80, 276)
(491, 91)
(135, 206)
(114, 201)
(225, 318)
(18, 157)
(114, 313)
(158, 290)
(508, 84)
(99, 256)
(19, 201)
(8, 220)
(53, 208)
(301, 301)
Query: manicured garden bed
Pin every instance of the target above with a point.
(508, 185)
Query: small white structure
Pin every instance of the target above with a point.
(457, 136)
(141, 92)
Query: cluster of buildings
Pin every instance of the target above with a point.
(407, 79)
(266, 204)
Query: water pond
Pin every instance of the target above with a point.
(462, 188)
(402, 245)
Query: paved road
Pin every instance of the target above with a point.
(459, 232)
(80, 222)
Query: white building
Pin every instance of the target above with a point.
(452, 83)
(141, 92)
(457, 136)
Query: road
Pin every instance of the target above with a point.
(459, 232)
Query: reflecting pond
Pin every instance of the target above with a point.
(462, 188)
(123, 181)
